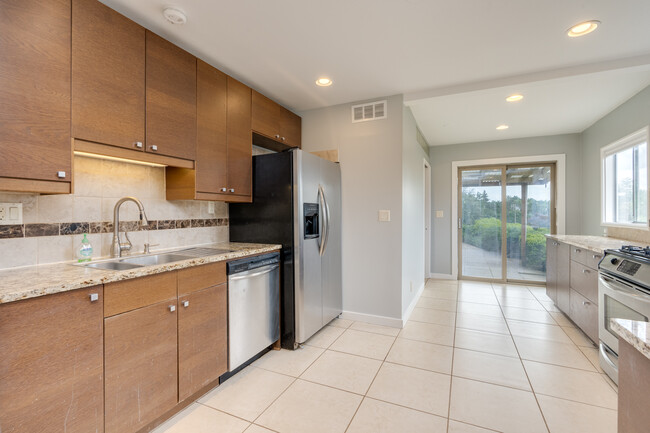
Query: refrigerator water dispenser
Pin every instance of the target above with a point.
(310, 210)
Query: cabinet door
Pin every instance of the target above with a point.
(202, 339)
(211, 148)
(585, 314)
(140, 366)
(290, 128)
(240, 139)
(108, 73)
(52, 364)
(551, 269)
(35, 90)
(266, 116)
(563, 282)
(171, 99)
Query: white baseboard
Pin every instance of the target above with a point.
(371, 318)
(409, 310)
(442, 276)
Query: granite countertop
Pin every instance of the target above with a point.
(33, 281)
(634, 332)
(596, 244)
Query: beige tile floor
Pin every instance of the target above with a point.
(474, 357)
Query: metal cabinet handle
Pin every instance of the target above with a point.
(232, 189)
(585, 303)
(277, 135)
(172, 308)
(138, 144)
(224, 189)
(60, 174)
(94, 297)
(153, 147)
(577, 250)
(586, 271)
(596, 256)
(556, 243)
(186, 304)
(283, 139)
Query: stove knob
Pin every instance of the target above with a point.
(614, 261)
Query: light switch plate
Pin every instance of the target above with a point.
(11, 214)
(384, 215)
(439, 214)
(211, 207)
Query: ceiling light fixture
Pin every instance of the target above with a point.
(323, 82)
(583, 28)
(514, 98)
(174, 16)
(502, 127)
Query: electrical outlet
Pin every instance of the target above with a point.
(439, 214)
(211, 207)
(11, 214)
(384, 216)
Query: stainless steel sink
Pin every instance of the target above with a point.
(156, 259)
(112, 266)
(203, 252)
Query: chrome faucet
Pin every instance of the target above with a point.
(117, 247)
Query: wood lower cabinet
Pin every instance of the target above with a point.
(171, 99)
(551, 269)
(51, 364)
(108, 76)
(633, 385)
(202, 339)
(584, 313)
(35, 96)
(141, 366)
(563, 279)
(273, 122)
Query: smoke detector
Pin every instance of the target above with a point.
(174, 16)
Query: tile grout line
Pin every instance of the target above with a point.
(451, 370)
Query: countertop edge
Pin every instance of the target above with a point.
(110, 276)
(597, 244)
(626, 330)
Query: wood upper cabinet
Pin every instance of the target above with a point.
(224, 145)
(171, 99)
(141, 366)
(275, 122)
(108, 76)
(202, 338)
(51, 367)
(212, 147)
(35, 96)
(239, 137)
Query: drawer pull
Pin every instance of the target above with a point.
(585, 303)
(577, 250)
(224, 189)
(154, 148)
(172, 308)
(586, 271)
(596, 257)
(232, 189)
(94, 297)
(138, 144)
(186, 304)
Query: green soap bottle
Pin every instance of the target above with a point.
(85, 251)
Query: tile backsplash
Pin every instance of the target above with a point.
(53, 225)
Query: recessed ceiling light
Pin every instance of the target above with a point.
(583, 28)
(323, 82)
(174, 16)
(514, 98)
(502, 127)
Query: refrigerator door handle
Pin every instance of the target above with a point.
(326, 220)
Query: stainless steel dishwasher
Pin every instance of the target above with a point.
(253, 306)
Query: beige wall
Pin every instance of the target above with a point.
(98, 185)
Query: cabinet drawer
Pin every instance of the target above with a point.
(584, 280)
(128, 295)
(593, 258)
(201, 277)
(585, 314)
(579, 254)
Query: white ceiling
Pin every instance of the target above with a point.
(420, 48)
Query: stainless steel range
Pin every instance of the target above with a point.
(623, 292)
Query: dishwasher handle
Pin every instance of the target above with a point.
(253, 273)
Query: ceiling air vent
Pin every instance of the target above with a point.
(370, 111)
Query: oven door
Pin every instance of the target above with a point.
(618, 300)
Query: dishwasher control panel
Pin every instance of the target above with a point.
(248, 263)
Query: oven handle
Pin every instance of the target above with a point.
(619, 286)
(603, 352)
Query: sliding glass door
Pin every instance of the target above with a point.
(505, 211)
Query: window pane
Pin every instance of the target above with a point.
(610, 189)
(625, 186)
(642, 184)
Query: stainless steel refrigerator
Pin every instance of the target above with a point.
(297, 203)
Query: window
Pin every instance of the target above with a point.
(625, 181)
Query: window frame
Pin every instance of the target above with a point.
(627, 142)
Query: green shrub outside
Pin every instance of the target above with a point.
(485, 233)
